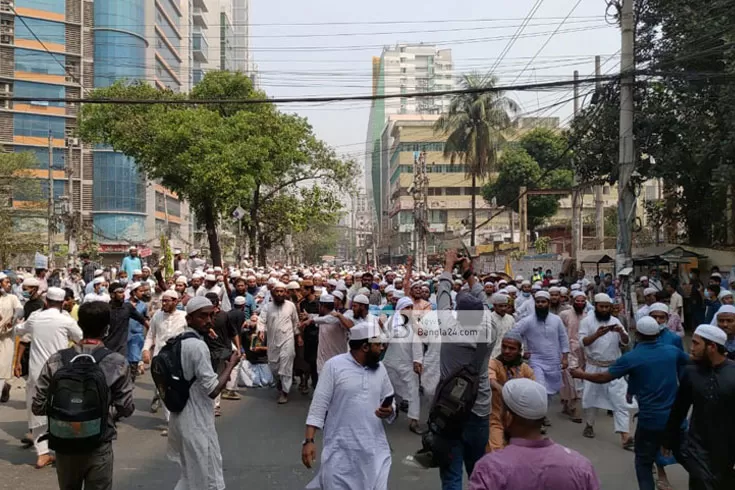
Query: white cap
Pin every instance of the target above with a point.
(99, 272)
(576, 286)
(210, 277)
(564, 291)
(648, 291)
(239, 300)
(326, 298)
(519, 278)
(644, 278)
(499, 299)
(362, 299)
(170, 293)
(293, 285)
(338, 294)
(197, 303)
(182, 280)
(97, 280)
(526, 398)
(177, 251)
(648, 326)
(55, 294)
(364, 330)
(502, 281)
(132, 248)
(577, 292)
(146, 268)
(526, 282)
(554, 289)
(512, 289)
(542, 294)
(218, 269)
(554, 282)
(135, 285)
(136, 272)
(333, 282)
(3, 276)
(658, 307)
(279, 285)
(724, 293)
(602, 298)
(31, 282)
(712, 333)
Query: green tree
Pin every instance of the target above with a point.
(517, 169)
(474, 126)
(23, 224)
(548, 148)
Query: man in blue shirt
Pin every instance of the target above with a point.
(140, 295)
(241, 289)
(652, 369)
(131, 262)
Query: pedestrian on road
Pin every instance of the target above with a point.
(353, 395)
(120, 314)
(652, 369)
(726, 321)
(90, 470)
(571, 389)
(707, 451)
(192, 441)
(602, 334)
(223, 339)
(531, 461)
(279, 320)
(10, 311)
(506, 366)
(131, 262)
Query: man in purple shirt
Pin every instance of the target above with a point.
(530, 460)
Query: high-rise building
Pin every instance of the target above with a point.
(402, 69)
(241, 44)
(63, 48)
(219, 36)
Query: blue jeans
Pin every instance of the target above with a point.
(647, 445)
(467, 450)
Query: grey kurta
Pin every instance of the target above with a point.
(192, 436)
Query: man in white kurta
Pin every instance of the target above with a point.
(49, 331)
(346, 406)
(501, 321)
(10, 308)
(279, 319)
(601, 335)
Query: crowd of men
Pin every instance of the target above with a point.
(368, 344)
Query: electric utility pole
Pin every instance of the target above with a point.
(599, 209)
(51, 224)
(576, 192)
(626, 166)
(420, 209)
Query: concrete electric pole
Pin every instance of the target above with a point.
(599, 209)
(51, 224)
(626, 193)
(576, 192)
(420, 210)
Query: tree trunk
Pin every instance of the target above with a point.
(473, 218)
(262, 251)
(253, 238)
(210, 223)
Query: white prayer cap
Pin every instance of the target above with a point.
(136, 272)
(218, 269)
(170, 293)
(554, 289)
(398, 293)
(272, 280)
(181, 280)
(135, 286)
(648, 326)
(542, 294)
(712, 333)
(251, 278)
(364, 330)
(177, 251)
(3, 276)
(725, 309)
(293, 285)
(279, 285)
(132, 248)
(648, 291)
(519, 278)
(398, 280)
(499, 299)
(382, 284)
(554, 282)
(99, 272)
(361, 299)
(526, 398)
(564, 291)
(235, 275)
(239, 300)
(31, 282)
(538, 284)
(364, 291)
(177, 273)
(602, 298)
(644, 278)
(658, 307)
(724, 293)
(389, 289)
(210, 277)
(526, 282)
(146, 268)
(97, 280)
(193, 253)
(332, 282)
(502, 281)
(576, 286)
(503, 291)
(489, 283)
(577, 292)
(197, 303)
(326, 298)
(338, 294)
(512, 289)
(716, 274)
(459, 282)
(55, 294)
(197, 275)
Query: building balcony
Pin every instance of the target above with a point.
(197, 76)
(199, 18)
(199, 4)
(199, 46)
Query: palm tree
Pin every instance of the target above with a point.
(474, 127)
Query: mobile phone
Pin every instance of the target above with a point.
(387, 402)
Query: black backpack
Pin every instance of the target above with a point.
(78, 402)
(168, 374)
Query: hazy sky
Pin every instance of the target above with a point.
(328, 47)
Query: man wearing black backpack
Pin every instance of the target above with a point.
(100, 378)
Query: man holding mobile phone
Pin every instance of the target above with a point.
(354, 394)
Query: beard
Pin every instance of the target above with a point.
(372, 361)
(542, 313)
(577, 308)
(602, 317)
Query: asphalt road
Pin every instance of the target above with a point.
(261, 448)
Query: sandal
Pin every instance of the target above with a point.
(629, 444)
(589, 432)
(217, 411)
